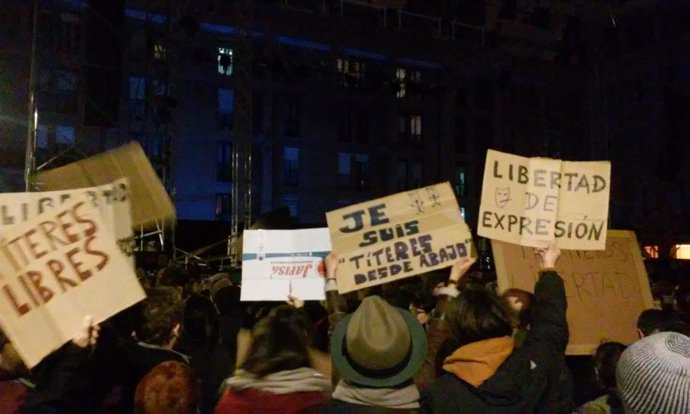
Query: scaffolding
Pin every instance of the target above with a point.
(241, 195)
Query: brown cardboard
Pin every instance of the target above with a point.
(531, 201)
(606, 290)
(151, 204)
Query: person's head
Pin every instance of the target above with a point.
(226, 298)
(520, 302)
(280, 342)
(171, 276)
(170, 387)
(478, 314)
(378, 345)
(653, 374)
(161, 315)
(652, 321)
(200, 320)
(605, 360)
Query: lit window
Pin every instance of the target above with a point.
(460, 181)
(416, 127)
(682, 251)
(651, 252)
(159, 51)
(64, 134)
(415, 76)
(225, 61)
(400, 77)
(463, 213)
(350, 72)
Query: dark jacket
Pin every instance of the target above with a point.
(524, 382)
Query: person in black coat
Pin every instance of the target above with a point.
(486, 373)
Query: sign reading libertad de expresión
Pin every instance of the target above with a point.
(57, 268)
(530, 201)
(398, 236)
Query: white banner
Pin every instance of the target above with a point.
(277, 263)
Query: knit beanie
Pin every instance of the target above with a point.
(653, 374)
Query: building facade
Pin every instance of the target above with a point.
(355, 100)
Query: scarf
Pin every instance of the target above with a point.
(476, 362)
(283, 382)
(397, 398)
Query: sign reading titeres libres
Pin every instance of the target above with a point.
(398, 236)
(57, 268)
(530, 201)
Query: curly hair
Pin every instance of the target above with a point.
(170, 387)
(161, 311)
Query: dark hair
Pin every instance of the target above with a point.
(478, 314)
(161, 311)
(605, 360)
(280, 342)
(653, 320)
(227, 301)
(200, 320)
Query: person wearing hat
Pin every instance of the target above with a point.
(486, 372)
(376, 351)
(653, 374)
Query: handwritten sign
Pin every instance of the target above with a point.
(55, 269)
(606, 289)
(112, 200)
(278, 263)
(398, 236)
(151, 204)
(530, 201)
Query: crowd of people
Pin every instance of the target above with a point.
(437, 344)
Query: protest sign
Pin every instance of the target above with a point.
(398, 236)
(55, 269)
(112, 200)
(278, 263)
(606, 290)
(530, 201)
(151, 204)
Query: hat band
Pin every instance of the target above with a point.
(376, 373)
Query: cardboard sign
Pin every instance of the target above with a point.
(151, 204)
(54, 270)
(606, 290)
(112, 200)
(278, 263)
(531, 201)
(398, 236)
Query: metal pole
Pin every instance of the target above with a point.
(30, 160)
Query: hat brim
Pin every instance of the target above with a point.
(350, 373)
